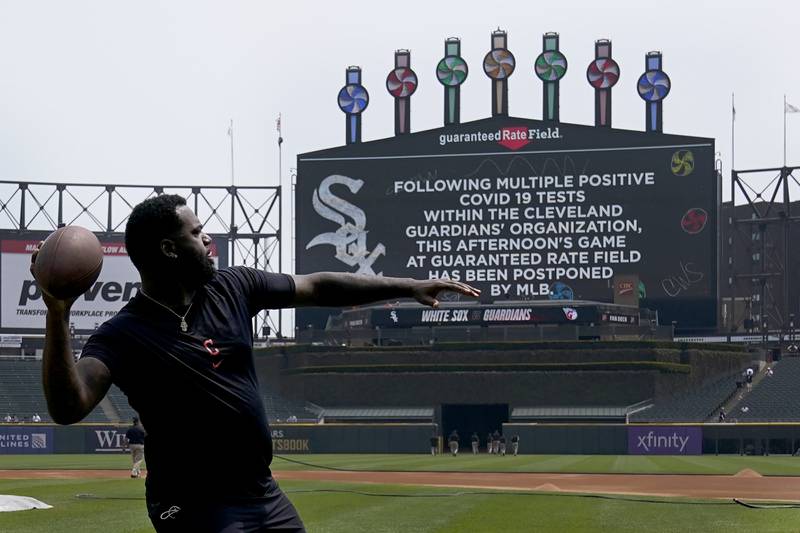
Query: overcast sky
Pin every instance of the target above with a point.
(142, 92)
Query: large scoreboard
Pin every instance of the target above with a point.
(522, 209)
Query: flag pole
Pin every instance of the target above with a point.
(280, 209)
(280, 163)
(230, 134)
(733, 133)
(280, 151)
(784, 130)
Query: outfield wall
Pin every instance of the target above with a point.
(286, 438)
(560, 439)
(656, 439)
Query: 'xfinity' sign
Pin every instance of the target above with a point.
(665, 440)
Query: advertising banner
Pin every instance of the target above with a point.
(350, 438)
(21, 304)
(487, 316)
(522, 209)
(26, 440)
(665, 440)
(105, 439)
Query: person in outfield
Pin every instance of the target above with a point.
(181, 350)
(134, 440)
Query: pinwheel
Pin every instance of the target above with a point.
(682, 163)
(401, 82)
(499, 64)
(551, 66)
(653, 85)
(602, 73)
(452, 71)
(353, 99)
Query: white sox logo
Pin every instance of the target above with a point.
(350, 240)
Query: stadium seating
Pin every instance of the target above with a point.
(280, 409)
(21, 389)
(570, 413)
(695, 405)
(21, 392)
(775, 398)
(379, 414)
(21, 395)
(120, 403)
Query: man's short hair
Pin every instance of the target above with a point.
(149, 222)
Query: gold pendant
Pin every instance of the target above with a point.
(184, 325)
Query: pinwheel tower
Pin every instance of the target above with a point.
(550, 66)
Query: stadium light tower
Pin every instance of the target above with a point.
(550, 67)
(353, 99)
(602, 74)
(452, 72)
(653, 86)
(499, 64)
(401, 84)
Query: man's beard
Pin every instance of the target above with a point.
(194, 270)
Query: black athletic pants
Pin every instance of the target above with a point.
(274, 513)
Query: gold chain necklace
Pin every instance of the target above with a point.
(184, 325)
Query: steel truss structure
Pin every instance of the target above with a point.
(765, 233)
(249, 218)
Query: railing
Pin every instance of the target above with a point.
(248, 218)
(434, 335)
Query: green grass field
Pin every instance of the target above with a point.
(341, 507)
(585, 464)
(588, 464)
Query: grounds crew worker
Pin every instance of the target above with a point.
(134, 439)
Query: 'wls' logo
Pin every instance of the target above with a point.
(350, 240)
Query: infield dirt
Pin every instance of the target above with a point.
(743, 485)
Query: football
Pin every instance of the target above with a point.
(69, 262)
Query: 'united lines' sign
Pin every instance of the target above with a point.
(26, 440)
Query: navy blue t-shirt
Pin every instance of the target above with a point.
(197, 392)
(135, 435)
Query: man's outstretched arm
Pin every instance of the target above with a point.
(72, 389)
(340, 290)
